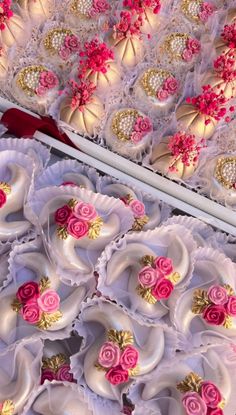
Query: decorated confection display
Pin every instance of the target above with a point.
(197, 11)
(60, 44)
(181, 47)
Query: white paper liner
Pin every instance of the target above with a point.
(130, 250)
(68, 171)
(225, 243)
(5, 277)
(156, 210)
(90, 328)
(117, 221)
(213, 364)
(29, 262)
(20, 367)
(211, 267)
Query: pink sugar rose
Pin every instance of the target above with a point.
(162, 289)
(147, 277)
(64, 53)
(129, 358)
(47, 374)
(27, 291)
(41, 91)
(187, 55)
(64, 374)
(117, 375)
(162, 94)
(137, 208)
(48, 79)
(164, 264)
(203, 16)
(217, 294)
(3, 198)
(214, 411)
(193, 45)
(143, 125)
(170, 85)
(31, 312)
(77, 227)
(109, 355)
(208, 8)
(136, 137)
(71, 42)
(231, 306)
(62, 215)
(127, 410)
(49, 301)
(210, 394)
(214, 315)
(85, 211)
(194, 404)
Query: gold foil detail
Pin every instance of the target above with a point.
(75, 11)
(147, 260)
(47, 320)
(100, 367)
(145, 80)
(21, 78)
(139, 223)
(16, 305)
(221, 162)
(121, 337)
(222, 404)
(134, 372)
(7, 408)
(185, 9)
(5, 187)
(44, 284)
(192, 382)
(48, 44)
(174, 277)
(62, 232)
(95, 228)
(72, 203)
(117, 120)
(200, 301)
(229, 289)
(228, 324)
(168, 47)
(146, 294)
(53, 363)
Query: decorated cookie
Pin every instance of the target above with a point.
(128, 132)
(197, 11)
(61, 43)
(37, 10)
(223, 78)
(13, 29)
(88, 9)
(227, 41)
(181, 47)
(148, 13)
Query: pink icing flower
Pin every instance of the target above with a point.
(49, 301)
(41, 90)
(215, 315)
(62, 215)
(162, 289)
(138, 208)
(64, 374)
(193, 404)
(207, 8)
(129, 358)
(31, 312)
(109, 355)
(193, 45)
(217, 294)
(164, 264)
(214, 411)
(143, 124)
(187, 55)
(136, 137)
(64, 53)
(203, 16)
(85, 211)
(48, 79)
(77, 227)
(210, 394)
(147, 277)
(71, 42)
(47, 374)
(162, 94)
(27, 291)
(3, 198)
(231, 306)
(170, 85)
(117, 375)
(127, 410)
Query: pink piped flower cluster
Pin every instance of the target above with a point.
(5, 13)
(224, 65)
(128, 26)
(169, 87)
(117, 361)
(229, 35)
(142, 127)
(184, 147)
(99, 7)
(47, 81)
(62, 374)
(206, 10)
(204, 402)
(139, 6)
(70, 46)
(95, 57)
(3, 198)
(193, 47)
(81, 92)
(155, 277)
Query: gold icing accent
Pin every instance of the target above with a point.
(16, 305)
(168, 47)
(200, 301)
(146, 294)
(100, 367)
(72, 203)
(222, 404)
(48, 41)
(147, 260)
(192, 382)
(185, 9)
(117, 120)
(228, 324)
(174, 277)
(95, 228)
(7, 408)
(121, 337)
(44, 284)
(62, 232)
(5, 187)
(139, 223)
(134, 372)
(145, 80)
(229, 289)
(221, 162)
(128, 198)
(54, 362)
(21, 78)
(47, 320)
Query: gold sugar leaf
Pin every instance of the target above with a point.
(54, 362)
(47, 320)
(222, 404)
(72, 203)
(139, 223)
(16, 305)
(147, 260)
(200, 301)
(229, 289)
(174, 278)
(99, 367)
(7, 408)
(44, 284)
(192, 382)
(95, 228)
(228, 324)
(5, 187)
(121, 337)
(128, 198)
(134, 372)
(146, 294)
(62, 232)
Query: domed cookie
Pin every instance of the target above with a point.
(13, 28)
(176, 156)
(157, 87)
(222, 81)
(128, 132)
(37, 10)
(231, 16)
(60, 43)
(197, 11)
(181, 47)
(82, 110)
(3, 63)
(227, 41)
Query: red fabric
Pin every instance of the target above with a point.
(21, 124)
